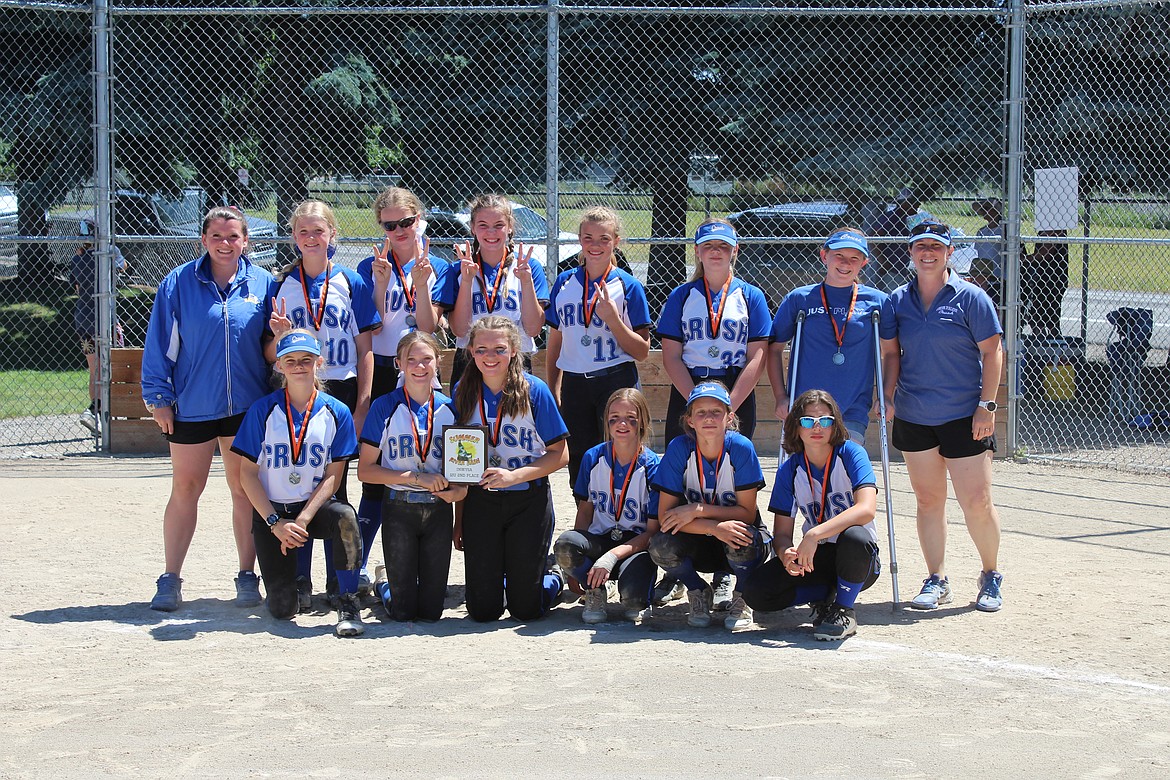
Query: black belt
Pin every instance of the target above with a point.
(702, 372)
(384, 360)
(412, 496)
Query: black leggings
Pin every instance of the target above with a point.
(416, 544)
(677, 405)
(852, 558)
(506, 535)
(335, 521)
(583, 405)
(577, 551)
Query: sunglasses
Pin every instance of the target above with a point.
(403, 223)
(932, 229)
(813, 422)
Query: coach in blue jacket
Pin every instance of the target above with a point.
(202, 367)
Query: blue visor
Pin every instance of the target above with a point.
(709, 390)
(844, 239)
(297, 342)
(716, 231)
(933, 230)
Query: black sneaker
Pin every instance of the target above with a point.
(820, 609)
(839, 623)
(349, 616)
(304, 595)
(668, 589)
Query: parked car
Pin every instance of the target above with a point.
(8, 224)
(141, 214)
(445, 229)
(780, 267)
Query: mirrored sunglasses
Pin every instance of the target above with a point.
(813, 422)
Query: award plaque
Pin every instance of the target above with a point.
(465, 453)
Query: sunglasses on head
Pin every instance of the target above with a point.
(813, 422)
(931, 229)
(403, 223)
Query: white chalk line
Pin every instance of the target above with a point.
(1014, 667)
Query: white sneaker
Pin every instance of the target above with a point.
(638, 615)
(595, 601)
(700, 601)
(89, 421)
(739, 614)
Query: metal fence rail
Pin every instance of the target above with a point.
(793, 118)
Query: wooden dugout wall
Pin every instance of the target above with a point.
(133, 431)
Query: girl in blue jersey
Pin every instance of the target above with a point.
(408, 285)
(707, 482)
(296, 443)
(402, 448)
(836, 350)
(495, 276)
(333, 303)
(714, 326)
(599, 325)
(202, 367)
(616, 513)
(830, 481)
(506, 522)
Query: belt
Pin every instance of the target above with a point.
(384, 360)
(288, 510)
(412, 496)
(603, 372)
(702, 372)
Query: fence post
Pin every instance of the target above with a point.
(1016, 27)
(552, 141)
(103, 226)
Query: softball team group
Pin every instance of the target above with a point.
(359, 373)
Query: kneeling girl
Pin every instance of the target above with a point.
(506, 523)
(708, 481)
(616, 512)
(829, 479)
(403, 450)
(296, 444)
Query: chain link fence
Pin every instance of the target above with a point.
(791, 119)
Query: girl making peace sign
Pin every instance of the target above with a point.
(599, 325)
(495, 277)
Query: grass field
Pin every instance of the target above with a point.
(27, 393)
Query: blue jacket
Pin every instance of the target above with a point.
(204, 348)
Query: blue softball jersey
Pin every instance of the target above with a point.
(686, 318)
(600, 482)
(800, 487)
(505, 302)
(399, 319)
(737, 469)
(388, 427)
(567, 314)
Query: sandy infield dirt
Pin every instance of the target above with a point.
(1071, 679)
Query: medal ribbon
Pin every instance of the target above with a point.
(419, 446)
(839, 333)
(490, 298)
(493, 436)
(699, 460)
(297, 440)
(407, 292)
(820, 518)
(619, 507)
(589, 304)
(318, 316)
(716, 317)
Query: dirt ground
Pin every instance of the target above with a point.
(1071, 679)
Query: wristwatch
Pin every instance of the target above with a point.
(990, 406)
(272, 520)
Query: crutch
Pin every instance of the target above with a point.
(793, 361)
(885, 445)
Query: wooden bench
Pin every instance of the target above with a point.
(133, 431)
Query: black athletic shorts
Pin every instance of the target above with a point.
(204, 430)
(953, 438)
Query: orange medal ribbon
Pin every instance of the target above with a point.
(839, 333)
(699, 460)
(493, 436)
(820, 518)
(716, 317)
(490, 298)
(589, 304)
(419, 447)
(407, 292)
(318, 316)
(296, 439)
(618, 508)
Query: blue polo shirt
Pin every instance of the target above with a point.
(942, 371)
(851, 383)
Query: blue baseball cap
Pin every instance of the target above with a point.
(846, 239)
(709, 390)
(716, 231)
(932, 230)
(297, 342)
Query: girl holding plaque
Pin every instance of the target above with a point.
(402, 449)
(836, 351)
(295, 444)
(707, 483)
(599, 325)
(506, 522)
(616, 513)
(493, 275)
(335, 305)
(714, 327)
